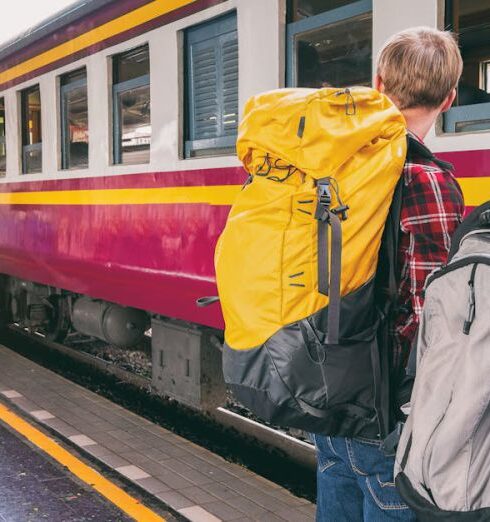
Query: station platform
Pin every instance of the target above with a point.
(131, 453)
(34, 487)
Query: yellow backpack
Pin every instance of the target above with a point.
(297, 262)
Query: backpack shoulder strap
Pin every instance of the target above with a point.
(391, 243)
(469, 223)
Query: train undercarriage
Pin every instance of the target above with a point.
(186, 358)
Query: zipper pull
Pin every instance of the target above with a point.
(471, 303)
(350, 103)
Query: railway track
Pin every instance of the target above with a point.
(272, 453)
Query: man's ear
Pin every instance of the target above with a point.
(378, 83)
(446, 104)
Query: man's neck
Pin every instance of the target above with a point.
(420, 120)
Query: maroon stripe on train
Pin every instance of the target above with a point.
(168, 18)
(468, 163)
(154, 257)
(188, 178)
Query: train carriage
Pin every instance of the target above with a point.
(118, 121)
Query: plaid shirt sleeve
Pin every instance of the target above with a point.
(432, 208)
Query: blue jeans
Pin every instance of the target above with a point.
(355, 482)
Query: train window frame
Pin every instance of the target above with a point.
(119, 88)
(223, 27)
(312, 23)
(3, 137)
(464, 118)
(35, 147)
(64, 90)
(485, 75)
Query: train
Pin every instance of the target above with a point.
(118, 122)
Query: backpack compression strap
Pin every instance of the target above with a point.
(329, 280)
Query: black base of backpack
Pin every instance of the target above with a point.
(428, 512)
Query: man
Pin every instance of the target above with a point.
(418, 70)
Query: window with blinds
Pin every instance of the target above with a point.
(211, 87)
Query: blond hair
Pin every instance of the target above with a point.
(420, 67)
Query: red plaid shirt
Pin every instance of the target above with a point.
(432, 208)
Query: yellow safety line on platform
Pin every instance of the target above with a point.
(107, 30)
(212, 195)
(110, 491)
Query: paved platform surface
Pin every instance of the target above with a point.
(34, 488)
(202, 486)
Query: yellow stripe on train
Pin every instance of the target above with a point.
(476, 191)
(211, 195)
(117, 26)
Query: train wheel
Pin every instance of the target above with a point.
(59, 323)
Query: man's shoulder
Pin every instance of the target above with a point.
(428, 185)
(420, 170)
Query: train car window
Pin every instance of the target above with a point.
(31, 130)
(131, 106)
(211, 87)
(3, 147)
(470, 19)
(74, 120)
(300, 9)
(329, 43)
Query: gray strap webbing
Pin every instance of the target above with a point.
(323, 257)
(411, 369)
(404, 460)
(391, 441)
(348, 409)
(206, 301)
(335, 273)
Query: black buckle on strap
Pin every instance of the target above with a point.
(324, 200)
(324, 194)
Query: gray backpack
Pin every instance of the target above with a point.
(443, 459)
